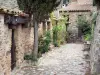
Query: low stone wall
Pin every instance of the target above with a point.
(5, 48)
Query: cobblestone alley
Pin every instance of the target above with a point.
(65, 60)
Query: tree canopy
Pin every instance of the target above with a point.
(39, 7)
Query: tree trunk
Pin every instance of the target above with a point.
(35, 51)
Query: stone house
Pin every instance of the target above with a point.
(16, 40)
(75, 9)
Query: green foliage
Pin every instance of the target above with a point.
(44, 42)
(55, 35)
(52, 17)
(59, 33)
(85, 26)
(29, 57)
(87, 37)
(39, 8)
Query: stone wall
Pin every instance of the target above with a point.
(5, 48)
(40, 29)
(28, 35)
(24, 38)
(44, 26)
(24, 41)
(95, 49)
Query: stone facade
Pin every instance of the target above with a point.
(85, 2)
(5, 47)
(44, 26)
(24, 38)
(6, 40)
(73, 18)
(95, 48)
(74, 9)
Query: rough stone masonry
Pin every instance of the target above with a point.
(95, 48)
(5, 46)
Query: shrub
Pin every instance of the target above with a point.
(59, 29)
(85, 27)
(29, 57)
(44, 42)
(55, 31)
(87, 37)
(59, 33)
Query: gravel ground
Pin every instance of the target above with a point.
(65, 60)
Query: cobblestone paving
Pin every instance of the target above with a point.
(66, 60)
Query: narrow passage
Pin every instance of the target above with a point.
(65, 60)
